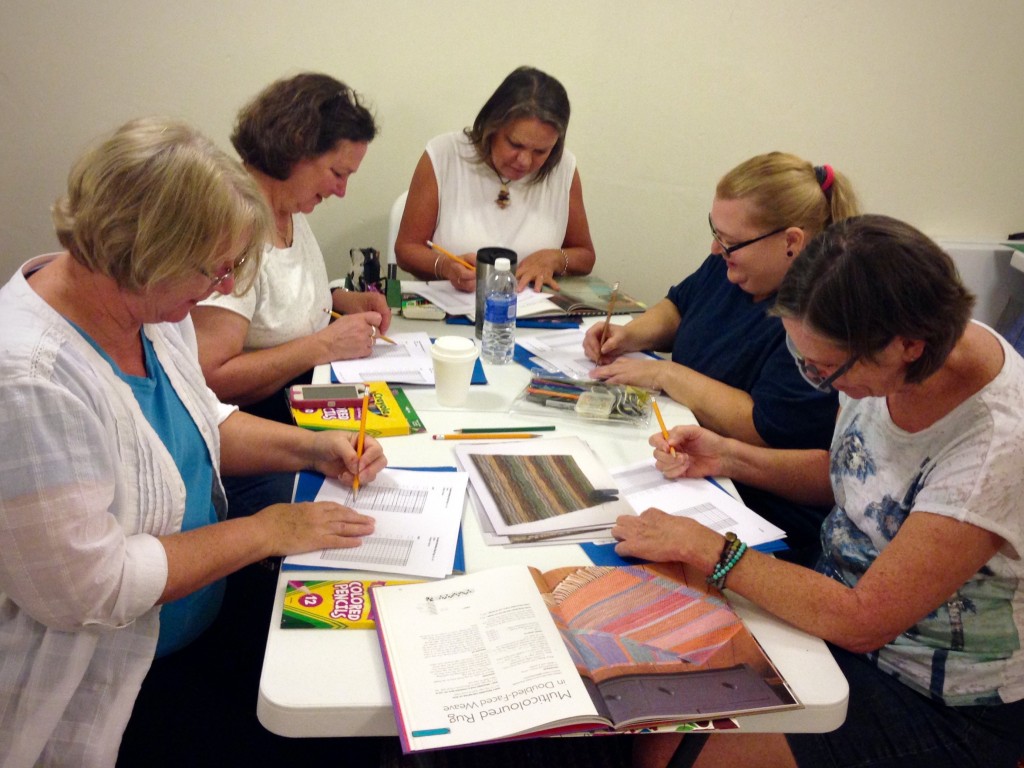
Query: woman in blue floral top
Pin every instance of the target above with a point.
(918, 589)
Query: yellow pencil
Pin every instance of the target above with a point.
(661, 422)
(489, 436)
(378, 335)
(608, 318)
(360, 441)
(450, 255)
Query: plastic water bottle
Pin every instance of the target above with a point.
(499, 314)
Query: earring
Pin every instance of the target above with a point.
(789, 254)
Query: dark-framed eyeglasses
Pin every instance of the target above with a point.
(810, 372)
(216, 281)
(731, 249)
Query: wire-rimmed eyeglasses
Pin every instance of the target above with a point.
(216, 281)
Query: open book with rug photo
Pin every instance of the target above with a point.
(511, 652)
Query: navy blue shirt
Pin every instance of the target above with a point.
(728, 336)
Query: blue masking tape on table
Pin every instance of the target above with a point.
(307, 485)
(554, 324)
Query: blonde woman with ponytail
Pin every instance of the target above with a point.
(729, 362)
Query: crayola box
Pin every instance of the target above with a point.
(390, 413)
(342, 604)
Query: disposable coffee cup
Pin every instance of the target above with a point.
(485, 258)
(454, 358)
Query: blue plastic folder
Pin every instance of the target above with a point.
(604, 554)
(308, 484)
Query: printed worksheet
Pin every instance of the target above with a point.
(407, 361)
(562, 352)
(644, 486)
(417, 516)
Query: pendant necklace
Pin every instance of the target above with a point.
(504, 199)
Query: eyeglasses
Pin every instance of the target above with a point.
(216, 281)
(731, 249)
(810, 372)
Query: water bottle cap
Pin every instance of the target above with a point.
(502, 264)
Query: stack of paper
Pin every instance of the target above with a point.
(537, 490)
(558, 491)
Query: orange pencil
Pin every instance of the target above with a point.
(608, 318)
(360, 441)
(450, 255)
(661, 422)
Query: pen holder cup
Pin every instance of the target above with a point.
(485, 258)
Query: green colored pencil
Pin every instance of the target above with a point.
(479, 430)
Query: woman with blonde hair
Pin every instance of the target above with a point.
(113, 544)
(729, 362)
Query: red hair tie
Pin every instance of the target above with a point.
(825, 176)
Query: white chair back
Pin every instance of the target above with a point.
(394, 220)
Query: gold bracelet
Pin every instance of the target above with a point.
(437, 274)
(565, 262)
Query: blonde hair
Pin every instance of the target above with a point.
(158, 201)
(787, 191)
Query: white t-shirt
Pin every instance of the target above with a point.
(969, 466)
(468, 218)
(289, 296)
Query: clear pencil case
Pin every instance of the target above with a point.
(589, 399)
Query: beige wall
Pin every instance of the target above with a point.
(918, 101)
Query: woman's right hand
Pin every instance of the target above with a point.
(462, 278)
(292, 529)
(349, 337)
(690, 451)
(615, 342)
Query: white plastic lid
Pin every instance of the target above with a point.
(454, 347)
(502, 264)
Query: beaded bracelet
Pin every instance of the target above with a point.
(565, 262)
(731, 554)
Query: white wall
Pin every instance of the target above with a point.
(919, 101)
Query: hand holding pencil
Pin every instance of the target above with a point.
(661, 423)
(462, 276)
(374, 334)
(606, 341)
(336, 453)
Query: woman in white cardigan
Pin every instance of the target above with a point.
(113, 547)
